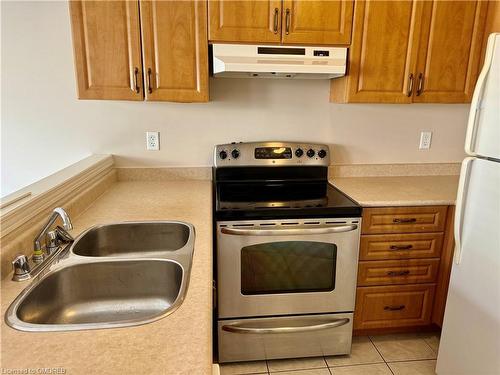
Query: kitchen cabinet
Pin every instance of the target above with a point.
(404, 267)
(413, 52)
(107, 49)
(287, 21)
(172, 65)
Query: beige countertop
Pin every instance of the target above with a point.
(180, 343)
(399, 191)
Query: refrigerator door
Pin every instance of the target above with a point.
(470, 339)
(483, 131)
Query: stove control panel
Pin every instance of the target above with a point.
(254, 154)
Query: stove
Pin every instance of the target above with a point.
(287, 246)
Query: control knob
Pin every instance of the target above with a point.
(321, 153)
(235, 154)
(223, 154)
(310, 153)
(299, 152)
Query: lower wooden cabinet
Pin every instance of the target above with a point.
(393, 306)
(393, 272)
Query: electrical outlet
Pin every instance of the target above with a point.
(152, 141)
(425, 140)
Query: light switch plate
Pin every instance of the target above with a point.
(153, 141)
(425, 140)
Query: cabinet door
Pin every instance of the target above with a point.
(317, 22)
(382, 54)
(175, 49)
(450, 50)
(107, 49)
(251, 21)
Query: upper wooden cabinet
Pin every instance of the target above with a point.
(287, 21)
(317, 22)
(175, 50)
(413, 51)
(245, 21)
(107, 49)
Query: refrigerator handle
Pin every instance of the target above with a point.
(459, 212)
(475, 106)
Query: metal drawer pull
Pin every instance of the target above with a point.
(136, 87)
(420, 87)
(289, 231)
(398, 273)
(150, 88)
(240, 328)
(410, 85)
(406, 247)
(394, 308)
(404, 220)
(287, 22)
(276, 14)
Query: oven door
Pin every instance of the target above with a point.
(283, 267)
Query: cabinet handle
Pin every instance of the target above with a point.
(404, 220)
(405, 247)
(410, 85)
(398, 273)
(150, 89)
(287, 22)
(136, 88)
(394, 308)
(420, 87)
(276, 15)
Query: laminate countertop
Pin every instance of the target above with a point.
(399, 191)
(180, 343)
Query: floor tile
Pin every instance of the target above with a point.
(413, 368)
(373, 369)
(362, 352)
(403, 347)
(314, 371)
(239, 368)
(296, 364)
(432, 339)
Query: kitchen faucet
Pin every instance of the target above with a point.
(53, 241)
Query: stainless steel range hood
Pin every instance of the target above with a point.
(265, 61)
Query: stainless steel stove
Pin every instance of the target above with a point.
(287, 253)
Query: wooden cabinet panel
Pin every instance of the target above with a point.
(383, 52)
(403, 219)
(392, 272)
(400, 246)
(393, 306)
(251, 21)
(107, 49)
(175, 50)
(317, 22)
(451, 39)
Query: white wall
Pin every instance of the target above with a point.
(45, 128)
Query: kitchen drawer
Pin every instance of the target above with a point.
(400, 246)
(393, 306)
(391, 272)
(403, 219)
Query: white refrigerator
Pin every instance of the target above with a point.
(470, 339)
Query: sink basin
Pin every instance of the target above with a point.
(131, 239)
(114, 275)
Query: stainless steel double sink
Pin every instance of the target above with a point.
(113, 275)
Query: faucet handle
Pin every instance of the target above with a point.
(21, 266)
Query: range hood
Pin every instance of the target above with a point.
(265, 61)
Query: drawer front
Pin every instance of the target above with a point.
(404, 219)
(392, 272)
(393, 306)
(400, 246)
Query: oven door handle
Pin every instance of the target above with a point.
(240, 327)
(289, 231)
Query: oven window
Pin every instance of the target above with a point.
(288, 267)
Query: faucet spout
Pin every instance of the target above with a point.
(58, 212)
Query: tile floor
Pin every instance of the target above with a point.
(402, 354)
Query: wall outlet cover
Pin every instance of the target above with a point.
(425, 140)
(153, 141)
